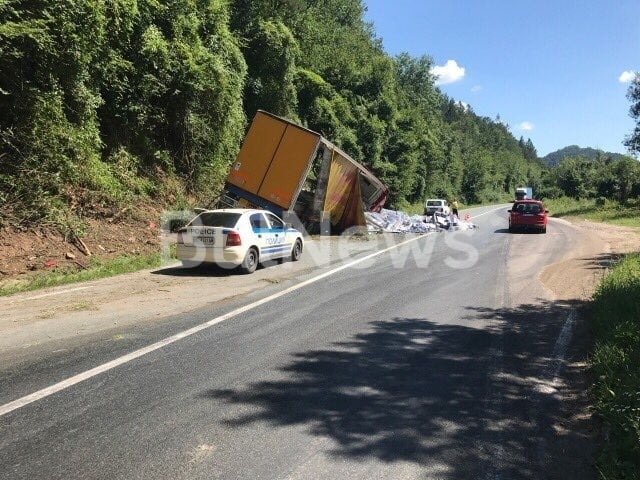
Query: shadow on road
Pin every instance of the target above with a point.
(603, 261)
(211, 270)
(205, 270)
(520, 231)
(479, 398)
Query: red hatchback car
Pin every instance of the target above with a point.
(528, 215)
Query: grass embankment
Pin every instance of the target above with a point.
(607, 211)
(96, 269)
(616, 364)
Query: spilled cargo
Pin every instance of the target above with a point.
(393, 221)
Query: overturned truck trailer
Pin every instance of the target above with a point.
(289, 170)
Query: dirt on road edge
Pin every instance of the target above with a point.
(597, 247)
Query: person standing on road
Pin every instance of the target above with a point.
(454, 207)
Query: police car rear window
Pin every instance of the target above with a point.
(434, 203)
(216, 219)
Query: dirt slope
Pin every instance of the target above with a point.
(24, 251)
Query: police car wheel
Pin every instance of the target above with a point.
(296, 252)
(250, 262)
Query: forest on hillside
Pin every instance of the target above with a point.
(112, 101)
(572, 151)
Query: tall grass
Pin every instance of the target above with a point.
(598, 210)
(97, 269)
(616, 364)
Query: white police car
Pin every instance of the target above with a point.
(237, 238)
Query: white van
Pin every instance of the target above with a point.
(434, 205)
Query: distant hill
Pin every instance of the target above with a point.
(556, 157)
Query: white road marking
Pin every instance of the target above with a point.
(562, 344)
(45, 392)
(51, 294)
(493, 210)
(560, 348)
(551, 381)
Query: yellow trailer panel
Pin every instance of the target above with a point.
(289, 166)
(258, 149)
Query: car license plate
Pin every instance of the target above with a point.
(205, 240)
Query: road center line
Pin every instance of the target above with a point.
(45, 392)
(490, 211)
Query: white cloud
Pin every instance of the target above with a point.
(626, 76)
(450, 72)
(463, 105)
(476, 88)
(526, 126)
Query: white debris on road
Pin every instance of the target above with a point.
(400, 222)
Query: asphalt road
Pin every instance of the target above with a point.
(439, 359)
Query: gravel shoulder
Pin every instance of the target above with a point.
(596, 247)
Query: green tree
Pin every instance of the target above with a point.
(102, 94)
(575, 177)
(87, 86)
(632, 141)
(271, 54)
(48, 129)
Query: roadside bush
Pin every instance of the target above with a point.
(616, 364)
(126, 168)
(546, 192)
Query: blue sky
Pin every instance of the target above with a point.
(552, 70)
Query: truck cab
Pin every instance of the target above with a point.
(524, 193)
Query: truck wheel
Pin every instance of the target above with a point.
(250, 262)
(296, 252)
